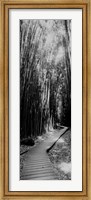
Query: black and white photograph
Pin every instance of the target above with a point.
(45, 99)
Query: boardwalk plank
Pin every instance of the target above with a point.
(37, 165)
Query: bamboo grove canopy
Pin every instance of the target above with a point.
(45, 75)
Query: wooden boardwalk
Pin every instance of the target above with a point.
(37, 165)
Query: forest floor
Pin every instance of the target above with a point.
(59, 155)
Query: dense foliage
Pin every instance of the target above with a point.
(45, 75)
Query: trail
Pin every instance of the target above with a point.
(37, 165)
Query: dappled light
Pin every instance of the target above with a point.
(65, 167)
(45, 99)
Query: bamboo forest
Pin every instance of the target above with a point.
(45, 75)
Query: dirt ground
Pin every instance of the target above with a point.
(60, 156)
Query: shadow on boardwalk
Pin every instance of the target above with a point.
(37, 165)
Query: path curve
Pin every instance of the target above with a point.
(37, 165)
